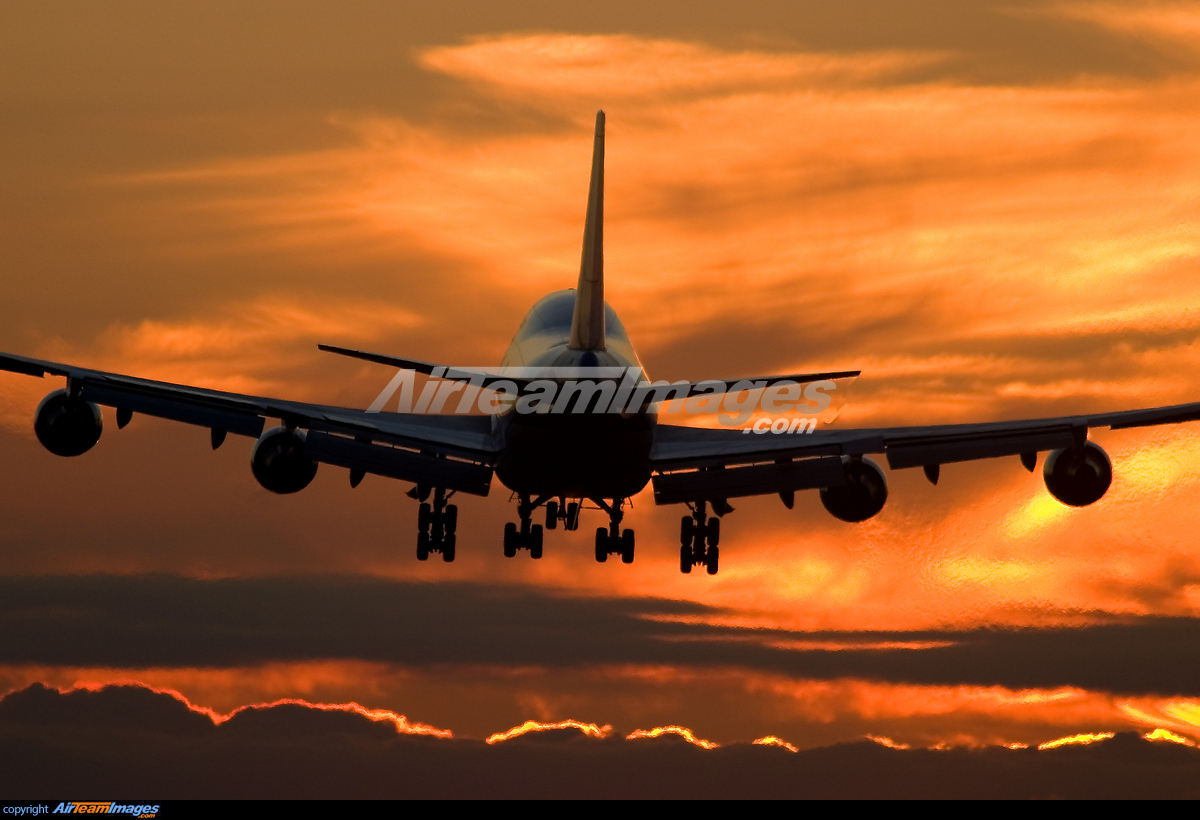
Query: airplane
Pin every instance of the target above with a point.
(559, 462)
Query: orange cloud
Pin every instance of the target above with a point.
(1175, 23)
(589, 729)
(400, 722)
(1087, 737)
(809, 712)
(771, 740)
(981, 252)
(611, 68)
(679, 731)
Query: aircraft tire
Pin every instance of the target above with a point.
(422, 546)
(685, 559)
(601, 544)
(451, 519)
(510, 540)
(448, 548)
(627, 547)
(712, 532)
(535, 541)
(424, 514)
(551, 514)
(710, 562)
(687, 528)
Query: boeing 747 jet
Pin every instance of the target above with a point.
(577, 425)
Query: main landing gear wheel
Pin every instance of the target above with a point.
(606, 545)
(560, 510)
(710, 560)
(436, 525)
(612, 539)
(627, 547)
(529, 536)
(699, 538)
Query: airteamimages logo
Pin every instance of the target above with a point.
(106, 807)
(614, 390)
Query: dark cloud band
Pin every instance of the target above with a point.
(165, 621)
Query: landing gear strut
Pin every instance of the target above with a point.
(529, 536)
(698, 539)
(437, 522)
(612, 539)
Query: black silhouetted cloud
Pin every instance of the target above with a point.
(161, 621)
(130, 740)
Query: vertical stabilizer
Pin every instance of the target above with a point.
(587, 325)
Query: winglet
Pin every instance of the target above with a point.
(587, 324)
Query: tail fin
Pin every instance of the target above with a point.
(587, 325)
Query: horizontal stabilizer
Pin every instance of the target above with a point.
(524, 375)
(768, 381)
(439, 371)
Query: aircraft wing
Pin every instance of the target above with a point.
(701, 463)
(453, 452)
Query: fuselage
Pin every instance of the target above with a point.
(573, 455)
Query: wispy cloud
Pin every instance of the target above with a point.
(979, 251)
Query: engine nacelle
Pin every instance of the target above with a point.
(279, 463)
(1078, 476)
(862, 496)
(67, 426)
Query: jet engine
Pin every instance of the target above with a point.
(1078, 476)
(66, 425)
(279, 463)
(862, 496)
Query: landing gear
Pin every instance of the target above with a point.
(437, 523)
(613, 540)
(535, 542)
(699, 539)
(607, 545)
(529, 536)
(562, 511)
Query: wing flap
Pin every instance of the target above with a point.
(682, 448)
(757, 479)
(467, 437)
(241, 423)
(921, 451)
(393, 462)
(28, 367)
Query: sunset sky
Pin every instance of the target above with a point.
(990, 208)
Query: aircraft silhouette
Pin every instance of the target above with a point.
(602, 446)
